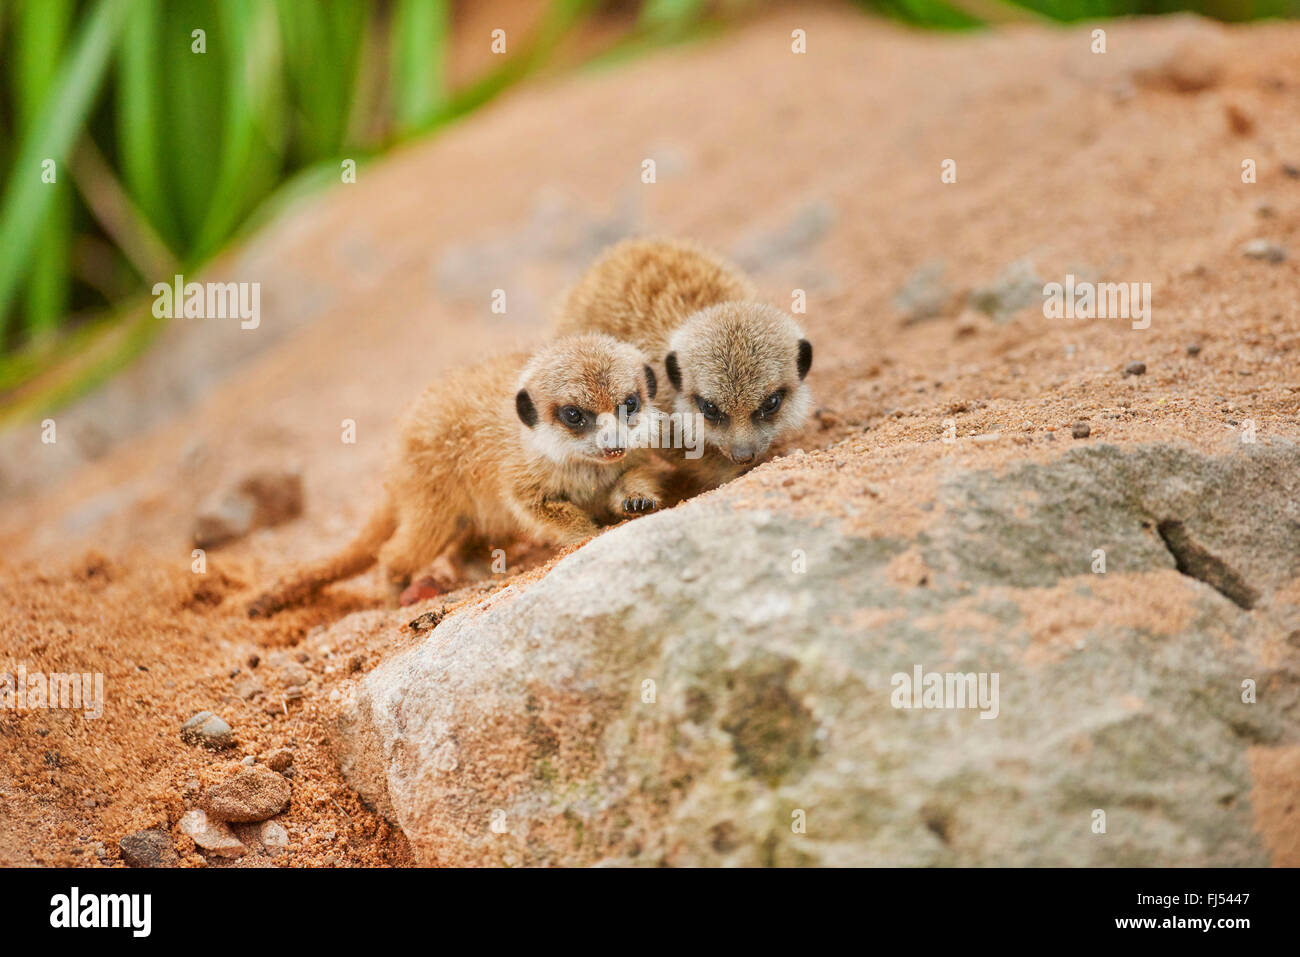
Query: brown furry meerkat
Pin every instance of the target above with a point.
(738, 363)
(513, 448)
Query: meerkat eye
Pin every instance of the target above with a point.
(710, 411)
(770, 405)
(571, 415)
(631, 404)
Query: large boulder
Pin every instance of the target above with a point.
(716, 685)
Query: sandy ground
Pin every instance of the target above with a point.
(822, 172)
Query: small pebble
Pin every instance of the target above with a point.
(212, 836)
(1193, 348)
(1135, 368)
(1081, 430)
(295, 674)
(279, 759)
(208, 730)
(151, 848)
(250, 794)
(1264, 250)
(274, 837)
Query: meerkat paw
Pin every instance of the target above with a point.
(418, 591)
(639, 505)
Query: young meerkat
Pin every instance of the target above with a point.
(515, 448)
(738, 363)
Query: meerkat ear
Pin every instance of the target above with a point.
(674, 373)
(524, 406)
(805, 357)
(651, 383)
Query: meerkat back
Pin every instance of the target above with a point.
(641, 290)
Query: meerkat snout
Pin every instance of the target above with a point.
(741, 367)
(589, 407)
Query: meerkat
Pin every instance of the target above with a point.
(737, 363)
(515, 448)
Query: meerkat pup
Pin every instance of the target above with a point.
(515, 448)
(737, 363)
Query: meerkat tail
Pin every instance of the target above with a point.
(361, 553)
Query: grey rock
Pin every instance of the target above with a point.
(295, 675)
(259, 500)
(208, 730)
(215, 837)
(275, 839)
(1017, 288)
(693, 721)
(223, 520)
(1265, 250)
(924, 295)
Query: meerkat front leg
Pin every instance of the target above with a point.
(636, 492)
(559, 521)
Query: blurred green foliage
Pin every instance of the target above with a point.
(161, 153)
(133, 146)
(966, 14)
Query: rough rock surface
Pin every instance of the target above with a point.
(717, 696)
(150, 848)
(250, 794)
(213, 836)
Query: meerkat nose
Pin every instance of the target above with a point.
(743, 454)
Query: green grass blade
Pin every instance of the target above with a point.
(55, 128)
(252, 145)
(42, 31)
(139, 119)
(419, 36)
(322, 50)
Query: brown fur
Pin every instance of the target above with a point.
(674, 296)
(468, 469)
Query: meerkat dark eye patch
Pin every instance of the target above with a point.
(524, 406)
(651, 383)
(770, 405)
(674, 373)
(574, 417)
(805, 357)
(709, 410)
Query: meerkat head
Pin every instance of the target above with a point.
(575, 391)
(741, 366)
